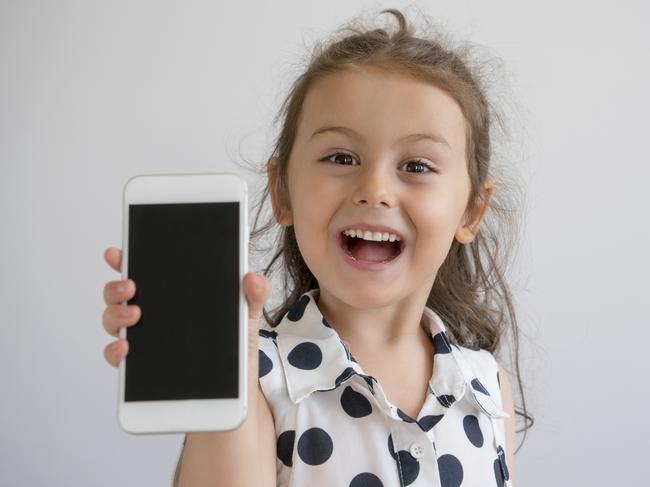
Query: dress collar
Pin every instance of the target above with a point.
(314, 358)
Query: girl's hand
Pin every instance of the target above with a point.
(116, 314)
(257, 289)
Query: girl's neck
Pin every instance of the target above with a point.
(388, 328)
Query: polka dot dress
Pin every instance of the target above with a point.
(336, 427)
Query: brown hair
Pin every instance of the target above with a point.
(470, 292)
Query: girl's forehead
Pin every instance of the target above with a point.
(376, 101)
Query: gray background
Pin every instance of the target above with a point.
(92, 93)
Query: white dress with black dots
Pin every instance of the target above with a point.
(336, 427)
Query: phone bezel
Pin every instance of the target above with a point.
(192, 415)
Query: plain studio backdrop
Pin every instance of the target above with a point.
(92, 93)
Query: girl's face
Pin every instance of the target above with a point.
(377, 180)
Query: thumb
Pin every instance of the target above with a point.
(257, 289)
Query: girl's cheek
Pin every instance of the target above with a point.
(324, 188)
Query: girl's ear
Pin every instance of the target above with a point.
(281, 209)
(467, 231)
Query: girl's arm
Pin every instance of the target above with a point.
(245, 456)
(267, 442)
(241, 457)
(508, 407)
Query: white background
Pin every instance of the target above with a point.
(92, 93)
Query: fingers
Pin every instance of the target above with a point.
(113, 256)
(115, 352)
(119, 291)
(257, 289)
(117, 316)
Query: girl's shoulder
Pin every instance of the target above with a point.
(478, 366)
(482, 373)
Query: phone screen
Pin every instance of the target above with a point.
(184, 259)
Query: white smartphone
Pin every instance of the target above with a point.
(185, 245)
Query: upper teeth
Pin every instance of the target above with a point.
(377, 236)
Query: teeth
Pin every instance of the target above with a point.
(376, 236)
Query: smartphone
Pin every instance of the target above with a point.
(185, 245)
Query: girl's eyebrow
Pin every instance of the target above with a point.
(409, 138)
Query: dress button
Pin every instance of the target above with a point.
(416, 450)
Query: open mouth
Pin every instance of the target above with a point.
(370, 250)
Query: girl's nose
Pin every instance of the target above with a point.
(375, 189)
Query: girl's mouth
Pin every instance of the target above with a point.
(368, 251)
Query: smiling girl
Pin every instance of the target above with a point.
(377, 369)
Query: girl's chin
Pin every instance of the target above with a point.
(368, 294)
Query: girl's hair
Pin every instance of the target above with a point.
(470, 292)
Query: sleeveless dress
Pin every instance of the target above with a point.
(335, 426)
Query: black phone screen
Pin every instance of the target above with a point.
(184, 260)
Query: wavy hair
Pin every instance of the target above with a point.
(470, 291)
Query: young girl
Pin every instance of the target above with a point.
(377, 370)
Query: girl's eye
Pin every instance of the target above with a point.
(423, 167)
(344, 156)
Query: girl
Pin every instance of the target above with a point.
(377, 370)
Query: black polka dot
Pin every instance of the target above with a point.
(451, 471)
(498, 475)
(446, 400)
(355, 404)
(369, 380)
(391, 448)
(268, 333)
(366, 479)
(265, 364)
(285, 446)
(441, 343)
(473, 430)
(498, 379)
(428, 422)
(502, 461)
(408, 467)
(306, 356)
(477, 386)
(315, 446)
(404, 416)
(353, 359)
(346, 374)
(298, 309)
(325, 322)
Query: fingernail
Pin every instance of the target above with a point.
(259, 285)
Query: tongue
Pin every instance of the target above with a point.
(371, 251)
